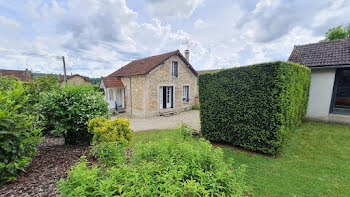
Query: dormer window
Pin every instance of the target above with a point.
(175, 70)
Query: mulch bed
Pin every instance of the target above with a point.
(47, 167)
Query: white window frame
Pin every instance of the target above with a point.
(186, 93)
(173, 74)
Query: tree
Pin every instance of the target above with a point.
(337, 33)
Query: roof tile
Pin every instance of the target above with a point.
(332, 53)
(23, 75)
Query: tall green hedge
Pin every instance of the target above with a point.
(256, 107)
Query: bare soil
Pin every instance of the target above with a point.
(47, 167)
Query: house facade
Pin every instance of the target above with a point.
(75, 80)
(329, 97)
(156, 85)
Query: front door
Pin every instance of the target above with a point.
(166, 97)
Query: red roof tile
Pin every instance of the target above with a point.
(112, 82)
(145, 65)
(23, 75)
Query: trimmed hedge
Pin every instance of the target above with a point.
(256, 107)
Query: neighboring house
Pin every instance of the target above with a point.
(23, 75)
(75, 80)
(330, 77)
(152, 86)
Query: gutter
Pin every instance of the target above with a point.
(328, 67)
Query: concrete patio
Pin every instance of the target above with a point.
(190, 118)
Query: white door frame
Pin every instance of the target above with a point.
(171, 97)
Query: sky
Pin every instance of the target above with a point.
(99, 36)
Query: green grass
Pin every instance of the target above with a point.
(316, 162)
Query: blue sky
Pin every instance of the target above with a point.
(98, 37)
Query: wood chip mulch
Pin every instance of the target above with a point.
(47, 167)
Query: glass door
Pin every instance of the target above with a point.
(341, 93)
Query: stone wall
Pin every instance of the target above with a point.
(135, 106)
(75, 81)
(161, 76)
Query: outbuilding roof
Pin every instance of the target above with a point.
(322, 54)
(23, 75)
(112, 82)
(145, 65)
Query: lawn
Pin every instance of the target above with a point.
(316, 162)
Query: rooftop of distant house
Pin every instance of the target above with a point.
(23, 75)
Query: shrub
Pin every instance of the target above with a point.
(18, 137)
(70, 110)
(256, 107)
(195, 107)
(105, 130)
(109, 153)
(165, 168)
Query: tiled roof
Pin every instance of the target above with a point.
(76, 75)
(323, 54)
(145, 65)
(113, 82)
(23, 75)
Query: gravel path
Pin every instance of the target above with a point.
(47, 167)
(190, 118)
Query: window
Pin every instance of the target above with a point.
(186, 94)
(175, 69)
(111, 96)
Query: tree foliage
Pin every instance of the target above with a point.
(337, 33)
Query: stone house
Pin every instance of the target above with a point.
(329, 97)
(23, 75)
(75, 80)
(151, 86)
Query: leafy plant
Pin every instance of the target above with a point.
(18, 137)
(105, 130)
(185, 131)
(195, 107)
(165, 168)
(256, 107)
(70, 110)
(109, 153)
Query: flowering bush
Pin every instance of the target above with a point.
(70, 110)
(105, 130)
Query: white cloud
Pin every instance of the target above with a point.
(200, 24)
(9, 25)
(173, 8)
(98, 37)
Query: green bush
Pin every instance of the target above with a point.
(109, 153)
(256, 107)
(105, 130)
(70, 110)
(18, 137)
(165, 168)
(35, 87)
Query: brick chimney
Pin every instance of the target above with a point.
(187, 55)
